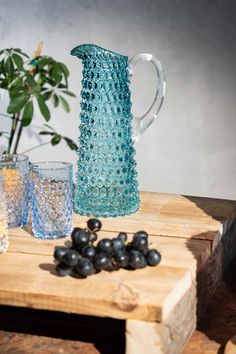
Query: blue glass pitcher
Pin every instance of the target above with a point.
(106, 176)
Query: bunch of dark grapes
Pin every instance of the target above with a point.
(85, 257)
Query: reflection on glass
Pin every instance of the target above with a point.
(15, 170)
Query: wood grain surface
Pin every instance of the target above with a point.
(176, 216)
(186, 230)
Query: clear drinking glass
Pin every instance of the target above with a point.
(15, 171)
(3, 218)
(51, 199)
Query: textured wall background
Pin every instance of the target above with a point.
(191, 149)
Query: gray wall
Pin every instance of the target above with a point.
(191, 148)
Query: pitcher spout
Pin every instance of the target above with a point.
(81, 50)
(89, 49)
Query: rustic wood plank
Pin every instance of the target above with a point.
(176, 216)
(172, 216)
(168, 337)
(210, 275)
(176, 252)
(188, 231)
(148, 294)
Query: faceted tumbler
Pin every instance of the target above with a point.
(15, 171)
(51, 195)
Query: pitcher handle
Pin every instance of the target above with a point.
(140, 124)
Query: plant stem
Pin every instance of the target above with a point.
(13, 128)
(15, 120)
(18, 136)
(36, 147)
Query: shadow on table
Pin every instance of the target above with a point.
(49, 267)
(28, 229)
(105, 334)
(217, 318)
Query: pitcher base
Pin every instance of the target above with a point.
(106, 213)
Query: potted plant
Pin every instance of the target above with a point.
(29, 82)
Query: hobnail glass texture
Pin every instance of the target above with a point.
(4, 242)
(51, 199)
(15, 171)
(106, 175)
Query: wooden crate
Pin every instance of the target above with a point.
(196, 237)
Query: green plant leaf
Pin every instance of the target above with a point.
(17, 91)
(72, 145)
(27, 113)
(56, 139)
(64, 69)
(44, 132)
(30, 80)
(9, 66)
(18, 61)
(43, 61)
(16, 104)
(43, 108)
(62, 86)
(37, 89)
(47, 95)
(55, 100)
(18, 50)
(65, 104)
(56, 73)
(4, 84)
(2, 67)
(69, 93)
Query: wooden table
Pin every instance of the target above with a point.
(196, 237)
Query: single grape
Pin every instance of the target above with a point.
(84, 267)
(88, 252)
(117, 244)
(111, 267)
(93, 237)
(122, 259)
(94, 225)
(123, 236)
(140, 243)
(71, 257)
(153, 257)
(59, 252)
(80, 238)
(101, 261)
(140, 234)
(137, 259)
(74, 232)
(105, 246)
(145, 251)
(63, 269)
